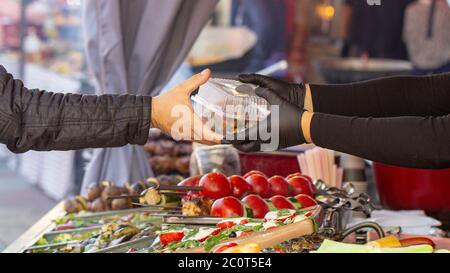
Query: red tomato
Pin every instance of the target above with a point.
(258, 206)
(281, 202)
(279, 186)
(254, 172)
(190, 181)
(229, 224)
(301, 185)
(227, 207)
(169, 237)
(225, 247)
(305, 200)
(215, 185)
(239, 186)
(292, 175)
(260, 185)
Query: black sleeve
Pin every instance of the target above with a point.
(386, 97)
(414, 142)
(40, 120)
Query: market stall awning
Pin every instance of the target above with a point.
(135, 47)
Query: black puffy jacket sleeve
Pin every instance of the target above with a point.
(43, 121)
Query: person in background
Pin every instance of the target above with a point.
(42, 121)
(375, 31)
(267, 19)
(427, 36)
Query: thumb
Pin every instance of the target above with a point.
(195, 81)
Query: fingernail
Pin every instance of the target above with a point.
(205, 71)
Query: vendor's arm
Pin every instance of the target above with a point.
(414, 142)
(384, 97)
(40, 120)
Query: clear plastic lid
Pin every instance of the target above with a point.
(231, 101)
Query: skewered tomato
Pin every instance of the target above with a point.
(305, 200)
(227, 207)
(281, 202)
(169, 237)
(258, 206)
(299, 174)
(260, 185)
(301, 185)
(215, 185)
(190, 181)
(254, 172)
(279, 186)
(292, 175)
(239, 186)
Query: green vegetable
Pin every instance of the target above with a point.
(284, 212)
(191, 233)
(42, 241)
(216, 239)
(182, 245)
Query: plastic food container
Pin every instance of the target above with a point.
(219, 158)
(229, 106)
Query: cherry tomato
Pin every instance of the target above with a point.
(227, 207)
(300, 185)
(279, 186)
(281, 202)
(169, 237)
(239, 186)
(190, 181)
(215, 185)
(292, 175)
(258, 206)
(254, 172)
(260, 185)
(305, 201)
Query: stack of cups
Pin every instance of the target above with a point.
(354, 172)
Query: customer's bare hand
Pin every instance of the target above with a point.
(172, 112)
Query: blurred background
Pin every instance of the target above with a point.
(320, 41)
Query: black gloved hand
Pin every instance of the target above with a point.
(291, 92)
(284, 127)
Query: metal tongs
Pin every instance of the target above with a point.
(338, 206)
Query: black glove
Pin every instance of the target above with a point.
(291, 92)
(286, 128)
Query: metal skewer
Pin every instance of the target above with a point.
(157, 206)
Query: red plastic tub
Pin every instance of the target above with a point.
(404, 188)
